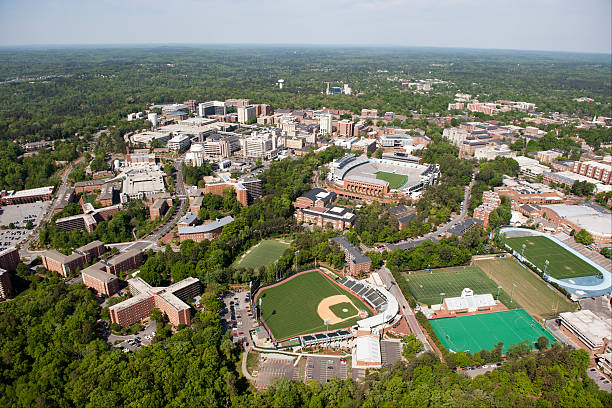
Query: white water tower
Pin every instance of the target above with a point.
(280, 83)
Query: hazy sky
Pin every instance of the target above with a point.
(559, 25)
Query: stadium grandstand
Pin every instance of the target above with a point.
(380, 299)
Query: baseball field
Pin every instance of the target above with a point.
(395, 180)
(562, 263)
(263, 254)
(426, 287)
(536, 296)
(301, 305)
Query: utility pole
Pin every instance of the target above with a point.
(512, 295)
(498, 288)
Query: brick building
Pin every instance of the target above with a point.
(124, 262)
(66, 264)
(601, 171)
(96, 278)
(357, 262)
(158, 209)
(5, 284)
(170, 301)
(208, 231)
(9, 259)
(490, 201)
(346, 128)
(246, 190)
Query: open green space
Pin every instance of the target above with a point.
(339, 310)
(426, 287)
(483, 331)
(395, 180)
(536, 296)
(290, 309)
(263, 254)
(562, 263)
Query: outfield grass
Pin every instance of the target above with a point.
(338, 310)
(483, 331)
(537, 297)
(395, 180)
(263, 254)
(290, 309)
(426, 287)
(562, 263)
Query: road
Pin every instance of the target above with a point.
(405, 309)
(24, 251)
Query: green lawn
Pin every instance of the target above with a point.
(426, 287)
(562, 263)
(395, 180)
(290, 309)
(483, 331)
(263, 254)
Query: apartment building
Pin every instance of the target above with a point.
(158, 209)
(124, 262)
(490, 201)
(246, 113)
(96, 278)
(601, 171)
(52, 260)
(9, 259)
(207, 231)
(346, 128)
(5, 284)
(357, 262)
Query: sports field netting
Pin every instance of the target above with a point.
(483, 331)
(562, 263)
(290, 309)
(426, 287)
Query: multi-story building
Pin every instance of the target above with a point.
(601, 171)
(325, 124)
(191, 105)
(458, 106)
(224, 145)
(259, 145)
(124, 262)
(5, 284)
(158, 209)
(369, 113)
(317, 197)
(263, 109)
(211, 108)
(346, 128)
(208, 231)
(11, 197)
(339, 218)
(237, 103)
(246, 113)
(96, 278)
(548, 156)
(170, 301)
(357, 262)
(490, 201)
(179, 142)
(66, 264)
(246, 190)
(9, 259)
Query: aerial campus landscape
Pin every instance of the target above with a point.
(192, 217)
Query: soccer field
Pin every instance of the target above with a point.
(426, 287)
(483, 331)
(291, 308)
(395, 180)
(263, 254)
(562, 263)
(537, 297)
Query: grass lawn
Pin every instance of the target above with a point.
(483, 331)
(263, 254)
(426, 287)
(290, 309)
(252, 361)
(563, 264)
(537, 297)
(395, 180)
(339, 308)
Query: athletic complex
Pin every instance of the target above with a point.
(380, 179)
(315, 306)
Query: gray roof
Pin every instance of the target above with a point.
(461, 228)
(354, 253)
(210, 227)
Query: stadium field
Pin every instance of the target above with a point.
(483, 331)
(426, 287)
(562, 263)
(395, 180)
(536, 296)
(294, 308)
(263, 254)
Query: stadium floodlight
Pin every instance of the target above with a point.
(514, 285)
(498, 288)
(441, 294)
(326, 326)
(546, 267)
(523, 250)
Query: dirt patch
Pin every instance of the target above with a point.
(325, 312)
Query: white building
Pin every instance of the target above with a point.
(491, 152)
(212, 108)
(148, 137)
(468, 302)
(325, 124)
(590, 328)
(246, 113)
(530, 167)
(152, 117)
(455, 135)
(179, 142)
(142, 182)
(195, 155)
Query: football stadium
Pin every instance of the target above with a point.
(362, 176)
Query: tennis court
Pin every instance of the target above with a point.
(426, 287)
(483, 331)
(562, 263)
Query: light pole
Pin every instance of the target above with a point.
(546, 267)
(523, 251)
(512, 295)
(296, 254)
(326, 326)
(275, 272)
(441, 294)
(498, 288)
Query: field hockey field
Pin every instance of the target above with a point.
(263, 254)
(299, 305)
(483, 331)
(395, 180)
(537, 297)
(426, 287)
(562, 263)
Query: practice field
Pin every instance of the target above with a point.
(483, 331)
(263, 254)
(395, 180)
(299, 306)
(537, 297)
(426, 287)
(562, 263)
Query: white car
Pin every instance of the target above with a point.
(126, 350)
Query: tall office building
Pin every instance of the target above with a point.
(346, 128)
(210, 108)
(325, 124)
(246, 113)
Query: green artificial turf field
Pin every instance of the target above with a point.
(426, 287)
(290, 309)
(562, 263)
(263, 254)
(483, 331)
(395, 180)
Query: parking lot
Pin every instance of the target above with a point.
(13, 237)
(275, 366)
(322, 369)
(602, 382)
(133, 342)
(390, 352)
(238, 317)
(19, 215)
